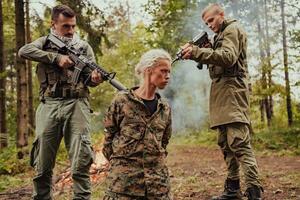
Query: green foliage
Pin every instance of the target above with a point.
(174, 23)
(9, 58)
(10, 164)
(121, 58)
(40, 26)
(285, 141)
(204, 137)
(258, 92)
(171, 26)
(280, 140)
(8, 182)
(91, 20)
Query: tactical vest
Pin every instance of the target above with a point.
(56, 81)
(232, 71)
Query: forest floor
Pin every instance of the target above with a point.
(197, 173)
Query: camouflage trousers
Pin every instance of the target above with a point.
(56, 119)
(234, 141)
(116, 196)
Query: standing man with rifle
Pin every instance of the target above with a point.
(64, 110)
(229, 100)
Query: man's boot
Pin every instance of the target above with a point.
(232, 191)
(254, 193)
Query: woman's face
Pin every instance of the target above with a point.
(160, 74)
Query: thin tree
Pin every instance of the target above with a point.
(286, 68)
(264, 103)
(29, 74)
(22, 115)
(3, 129)
(269, 65)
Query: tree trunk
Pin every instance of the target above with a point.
(3, 129)
(29, 75)
(269, 65)
(262, 111)
(22, 104)
(286, 69)
(263, 74)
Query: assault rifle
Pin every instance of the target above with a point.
(199, 40)
(81, 62)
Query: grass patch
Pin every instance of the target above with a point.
(281, 141)
(284, 141)
(11, 182)
(10, 164)
(204, 137)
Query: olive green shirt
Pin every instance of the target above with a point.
(49, 73)
(35, 51)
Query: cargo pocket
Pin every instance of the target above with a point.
(85, 108)
(34, 153)
(86, 154)
(51, 76)
(238, 137)
(41, 74)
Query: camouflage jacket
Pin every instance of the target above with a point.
(229, 95)
(135, 144)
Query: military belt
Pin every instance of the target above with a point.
(239, 74)
(66, 92)
(229, 72)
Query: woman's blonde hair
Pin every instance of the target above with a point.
(150, 59)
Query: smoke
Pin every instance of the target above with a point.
(188, 92)
(188, 96)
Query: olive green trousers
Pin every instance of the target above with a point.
(69, 119)
(234, 141)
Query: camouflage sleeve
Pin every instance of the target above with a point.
(112, 127)
(226, 55)
(34, 51)
(167, 133)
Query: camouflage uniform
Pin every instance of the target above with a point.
(229, 98)
(64, 111)
(135, 144)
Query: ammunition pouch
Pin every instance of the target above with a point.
(57, 82)
(66, 91)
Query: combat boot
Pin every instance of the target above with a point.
(232, 191)
(254, 193)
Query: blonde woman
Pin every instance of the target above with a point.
(138, 129)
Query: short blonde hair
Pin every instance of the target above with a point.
(150, 59)
(217, 7)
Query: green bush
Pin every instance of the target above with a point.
(280, 140)
(205, 137)
(10, 164)
(287, 139)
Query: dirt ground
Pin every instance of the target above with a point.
(198, 173)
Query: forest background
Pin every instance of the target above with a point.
(120, 32)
